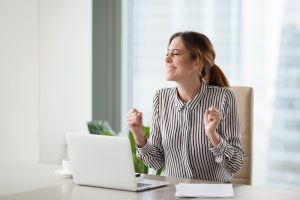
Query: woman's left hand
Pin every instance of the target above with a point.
(212, 118)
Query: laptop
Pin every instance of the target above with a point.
(105, 161)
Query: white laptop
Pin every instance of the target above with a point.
(105, 161)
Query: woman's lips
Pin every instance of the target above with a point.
(171, 67)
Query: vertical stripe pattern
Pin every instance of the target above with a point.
(178, 141)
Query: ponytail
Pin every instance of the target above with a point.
(216, 77)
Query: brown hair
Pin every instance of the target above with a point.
(203, 51)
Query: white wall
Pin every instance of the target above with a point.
(19, 81)
(45, 76)
(65, 73)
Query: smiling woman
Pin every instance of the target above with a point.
(195, 129)
(195, 47)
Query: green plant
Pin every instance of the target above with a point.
(100, 127)
(139, 166)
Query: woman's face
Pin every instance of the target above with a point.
(180, 66)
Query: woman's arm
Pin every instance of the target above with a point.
(152, 153)
(228, 153)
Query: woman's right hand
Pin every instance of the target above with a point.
(134, 120)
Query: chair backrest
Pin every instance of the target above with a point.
(244, 98)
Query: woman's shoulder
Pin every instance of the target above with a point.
(164, 91)
(223, 91)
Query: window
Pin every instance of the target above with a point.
(257, 45)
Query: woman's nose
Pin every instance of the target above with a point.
(168, 58)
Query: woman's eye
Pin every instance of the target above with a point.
(172, 53)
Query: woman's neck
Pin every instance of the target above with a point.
(189, 90)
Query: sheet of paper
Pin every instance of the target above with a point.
(204, 190)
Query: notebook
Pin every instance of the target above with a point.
(204, 190)
(105, 161)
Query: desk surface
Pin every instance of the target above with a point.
(24, 181)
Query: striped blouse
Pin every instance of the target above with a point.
(178, 141)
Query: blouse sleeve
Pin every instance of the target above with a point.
(229, 153)
(152, 153)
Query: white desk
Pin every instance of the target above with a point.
(30, 182)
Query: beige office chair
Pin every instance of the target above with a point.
(244, 98)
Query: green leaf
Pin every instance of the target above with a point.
(139, 166)
(107, 133)
(100, 127)
(158, 172)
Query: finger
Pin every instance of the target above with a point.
(130, 118)
(206, 116)
(206, 113)
(132, 110)
(213, 119)
(216, 114)
(135, 114)
(131, 123)
(210, 119)
(135, 110)
(134, 119)
(140, 116)
(212, 108)
(134, 122)
(132, 115)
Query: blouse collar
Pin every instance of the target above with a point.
(191, 104)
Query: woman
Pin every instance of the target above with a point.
(195, 129)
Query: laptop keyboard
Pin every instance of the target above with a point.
(142, 184)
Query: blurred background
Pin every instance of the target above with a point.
(257, 44)
(66, 62)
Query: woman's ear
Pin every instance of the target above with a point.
(198, 66)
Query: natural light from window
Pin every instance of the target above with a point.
(257, 44)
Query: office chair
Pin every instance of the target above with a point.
(244, 98)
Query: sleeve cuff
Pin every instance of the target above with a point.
(220, 149)
(143, 150)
